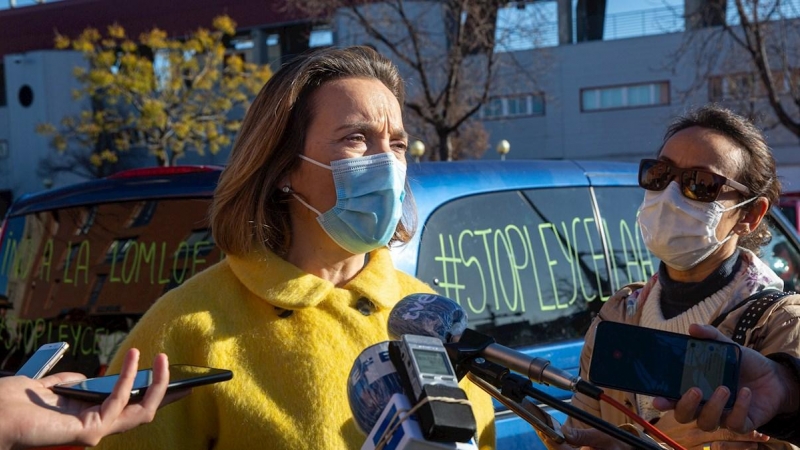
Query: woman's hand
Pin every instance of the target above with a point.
(691, 437)
(585, 438)
(765, 390)
(687, 435)
(34, 415)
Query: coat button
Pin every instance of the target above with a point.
(364, 306)
(283, 313)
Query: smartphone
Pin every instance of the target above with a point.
(661, 363)
(180, 376)
(40, 363)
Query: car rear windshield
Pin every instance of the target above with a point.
(530, 267)
(85, 274)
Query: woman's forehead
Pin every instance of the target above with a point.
(704, 148)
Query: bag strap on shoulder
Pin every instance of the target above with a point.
(763, 300)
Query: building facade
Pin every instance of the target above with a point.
(597, 99)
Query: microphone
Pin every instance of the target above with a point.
(427, 315)
(438, 316)
(371, 383)
(376, 394)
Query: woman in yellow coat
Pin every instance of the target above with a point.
(313, 195)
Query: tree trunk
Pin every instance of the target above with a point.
(445, 145)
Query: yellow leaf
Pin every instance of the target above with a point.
(116, 31)
(61, 41)
(235, 63)
(225, 24)
(129, 46)
(60, 143)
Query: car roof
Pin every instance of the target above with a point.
(432, 183)
(436, 183)
(442, 180)
(128, 186)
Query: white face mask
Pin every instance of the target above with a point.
(681, 232)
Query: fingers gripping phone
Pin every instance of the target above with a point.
(660, 363)
(43, 360)
(180, 376)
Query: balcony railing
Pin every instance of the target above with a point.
(536, 25)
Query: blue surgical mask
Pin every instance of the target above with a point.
(369, 201)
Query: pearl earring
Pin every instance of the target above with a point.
(286, 189)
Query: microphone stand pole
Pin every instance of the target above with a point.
(466, 358)
(521, 409)
(517, 387)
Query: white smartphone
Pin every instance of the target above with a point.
(40, 363)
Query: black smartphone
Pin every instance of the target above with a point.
(661, 363)
(43, 360)
(180, 376)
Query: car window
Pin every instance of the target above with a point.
(630, 259)
(783, 257)
(528, 266)
(790, 212)
(85, 274)
(521, 264)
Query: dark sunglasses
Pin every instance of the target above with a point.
(696, 184)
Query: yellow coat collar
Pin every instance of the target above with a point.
(286, 286)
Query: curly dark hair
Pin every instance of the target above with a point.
(758, 172)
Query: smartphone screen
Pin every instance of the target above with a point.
(43, 360)
(180, 376)
(661, 363)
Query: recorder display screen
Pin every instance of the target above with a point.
(431, 362)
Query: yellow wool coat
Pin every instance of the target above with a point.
(290, 339)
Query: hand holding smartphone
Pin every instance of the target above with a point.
(43, 360)
(660, 363)
(181, 376)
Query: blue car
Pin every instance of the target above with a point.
(530, 249)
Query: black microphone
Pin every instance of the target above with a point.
(438, 316)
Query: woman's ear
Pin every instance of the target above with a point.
(753, 216)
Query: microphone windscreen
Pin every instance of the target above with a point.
(427, 315)
(372, 381)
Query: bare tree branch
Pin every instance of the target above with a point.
(753, 63)
(446, 49)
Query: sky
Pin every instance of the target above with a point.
(612, 6)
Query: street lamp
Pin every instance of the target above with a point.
(417, 150)
(503, 147)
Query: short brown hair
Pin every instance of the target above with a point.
(758, 172)
(249, 210)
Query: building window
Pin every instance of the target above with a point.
(625, 96)
(748, 86)
(511, 106)
(243, 46)
(493, 108)
(273, 43)
(321, 36)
